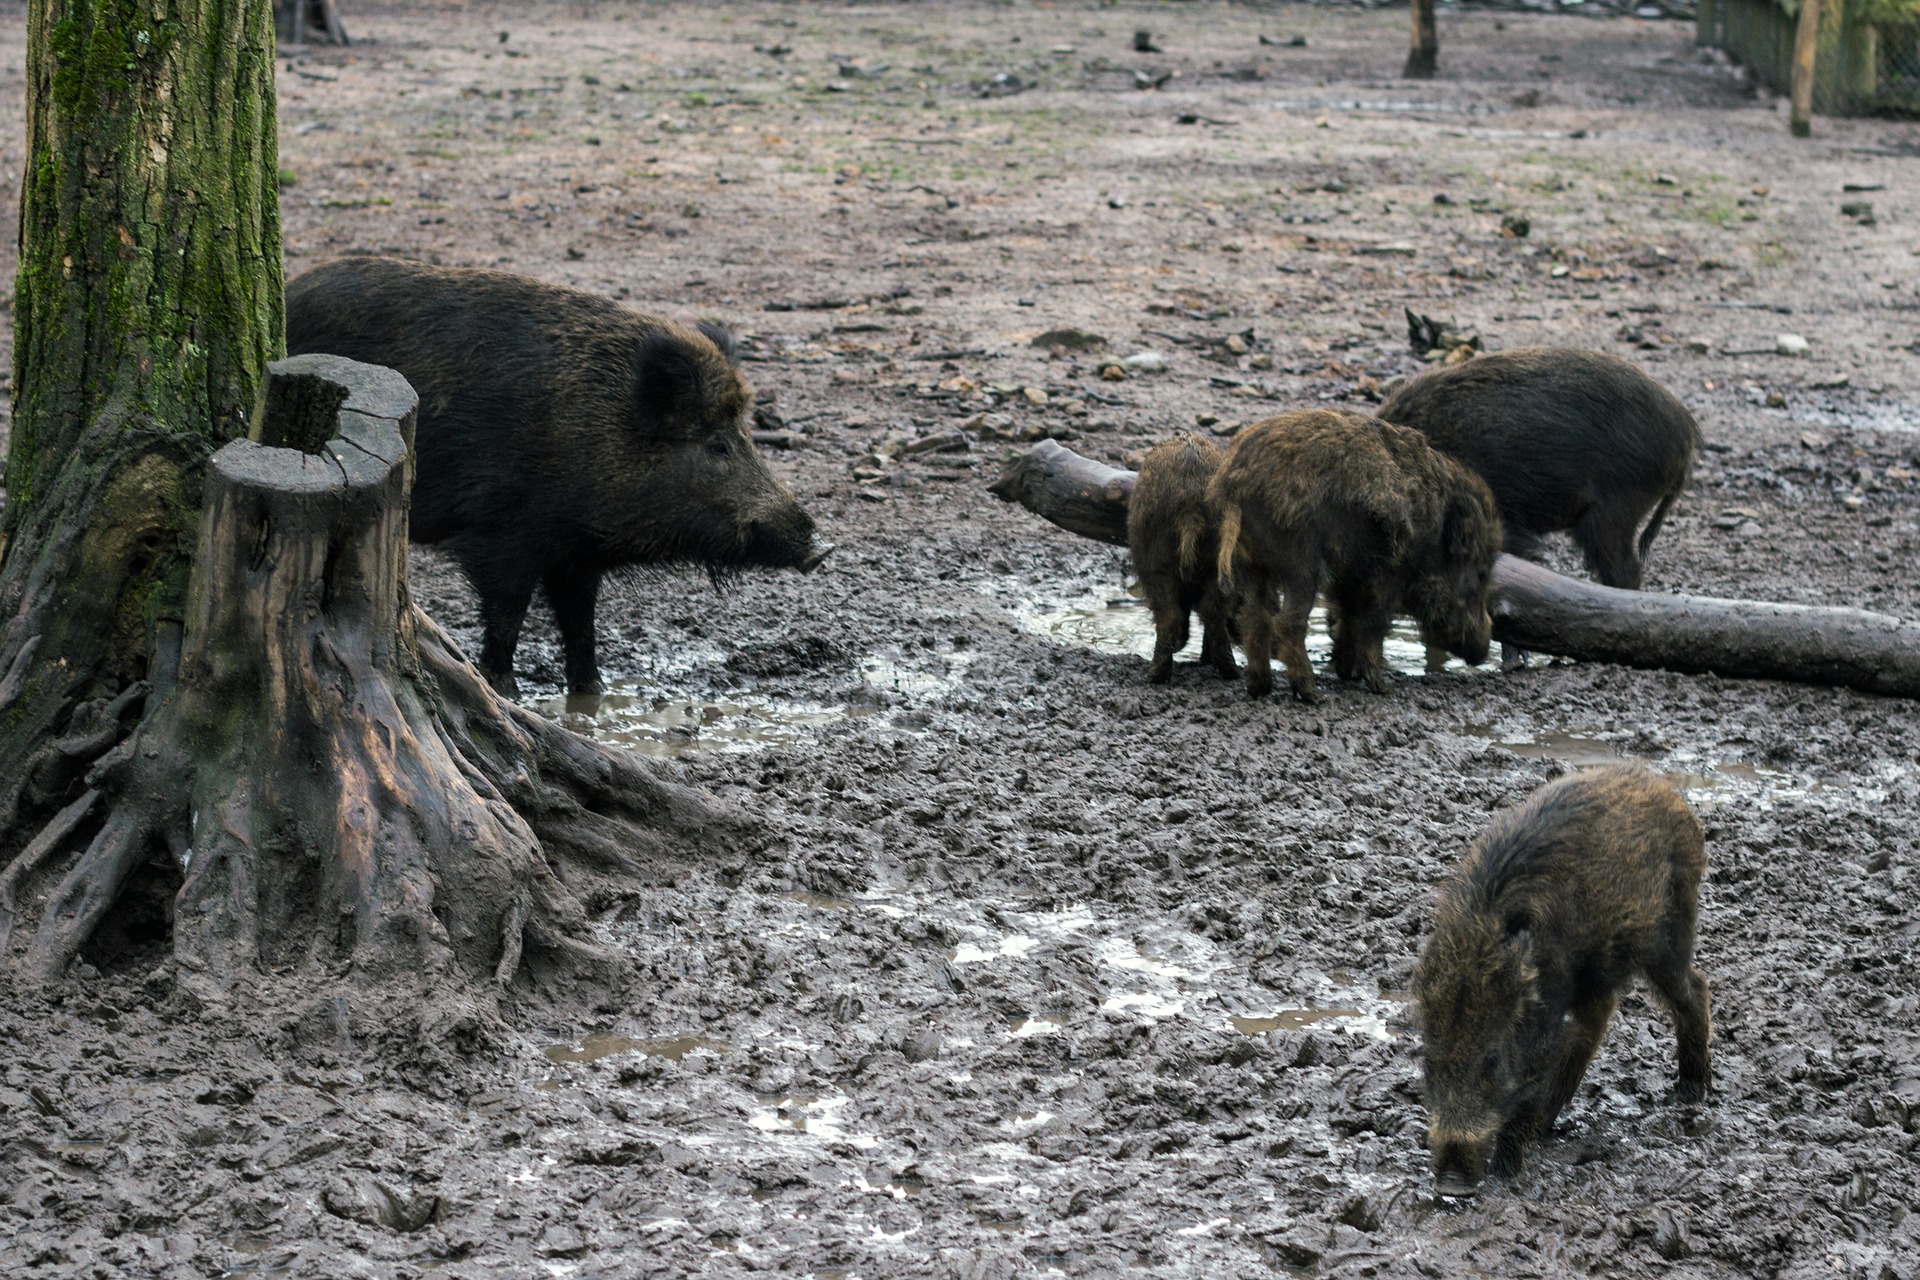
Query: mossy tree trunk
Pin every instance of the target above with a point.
(225, 730)
(147, 305)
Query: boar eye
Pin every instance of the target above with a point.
(718, 447)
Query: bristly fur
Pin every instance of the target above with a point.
(1172, 530)
(561, 436)
(1568, 440)
(1563, 899)
(1323, 500)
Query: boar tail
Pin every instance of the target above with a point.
(1229, 543)
(1652, 530)
(1193, 529)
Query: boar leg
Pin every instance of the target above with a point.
(1607, 542)
(1361, 618)
(1256, 633)
(1169, 633)
(1684, 989)
(501, 613)
(1587, 1025)
(1216, 642)
(574, 594)
(1290, 630)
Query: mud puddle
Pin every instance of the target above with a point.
(1121, 624)
(1705, 778)
(673, 1048)
(668, 723)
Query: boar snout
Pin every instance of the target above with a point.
(819, 553)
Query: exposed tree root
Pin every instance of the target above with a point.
(326, 776)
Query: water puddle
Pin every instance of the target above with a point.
(1703, 778)
(673, 1048)
(1287, 1020)
(648, 720)
(664, 728)
(1123, 626)
(817, 1115)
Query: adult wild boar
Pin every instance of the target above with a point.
(1325, 500)
(561, 436)
(1568, 440)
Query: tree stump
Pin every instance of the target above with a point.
(324, 779)
(1537, 609)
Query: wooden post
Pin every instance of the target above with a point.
(1806, 44)
(1423, 58)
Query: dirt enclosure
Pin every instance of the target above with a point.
(1036, 969)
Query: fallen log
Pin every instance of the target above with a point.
(1537, 609)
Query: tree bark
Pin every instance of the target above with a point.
(220, 711)
(1537, 609)
(146, 308)
(1423, 57)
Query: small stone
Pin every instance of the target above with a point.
(921, 1046)
(1261, 360)
(1071, 339)
(1145, 362)
(1322, 122)
(1026, 302)
(1776, 400)
(956, 383)
(1112, 373)
(1665, 180)
(1790, 344)
(1696, 346)
(1813, 440)
(1116, 202)
(1206, 419)
(1236, 344)
(560, 1240)
(1853, 502)
(1034, 395)
(1515, 225)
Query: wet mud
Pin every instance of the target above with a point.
(1035, 969)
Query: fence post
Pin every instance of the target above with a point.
(1806, 44)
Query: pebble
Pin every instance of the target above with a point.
(1145, 362)
(1790, 344)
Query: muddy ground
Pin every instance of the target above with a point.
(1040, 970)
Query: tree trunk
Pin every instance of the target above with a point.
(225, 730)
(146, 308)
(1535, 608)
(1423, 57)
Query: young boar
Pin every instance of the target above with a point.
(1175, 537)
(1595, 878)
(1324, 500)
(560, 437)
(1567, 440)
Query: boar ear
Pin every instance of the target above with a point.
(666, 381)
(721, 337)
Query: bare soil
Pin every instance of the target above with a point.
(1038, 969)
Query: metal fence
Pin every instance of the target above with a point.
(1863, 66)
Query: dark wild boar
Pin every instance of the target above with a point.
(1175, 537)
(1595, 878)
(1324, 500)
(561, 436)
(1568, 440)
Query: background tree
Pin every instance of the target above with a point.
(225, 731)
(1423, 57)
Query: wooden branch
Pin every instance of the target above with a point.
(1538, 609)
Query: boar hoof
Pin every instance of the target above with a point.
(1160, 671)
(1512, 658)
(1377, 682)
(1226, 670)
(1306, 692)
(1454, 1186)
(1691, 1091)
(1258, 687)
(503, 683)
